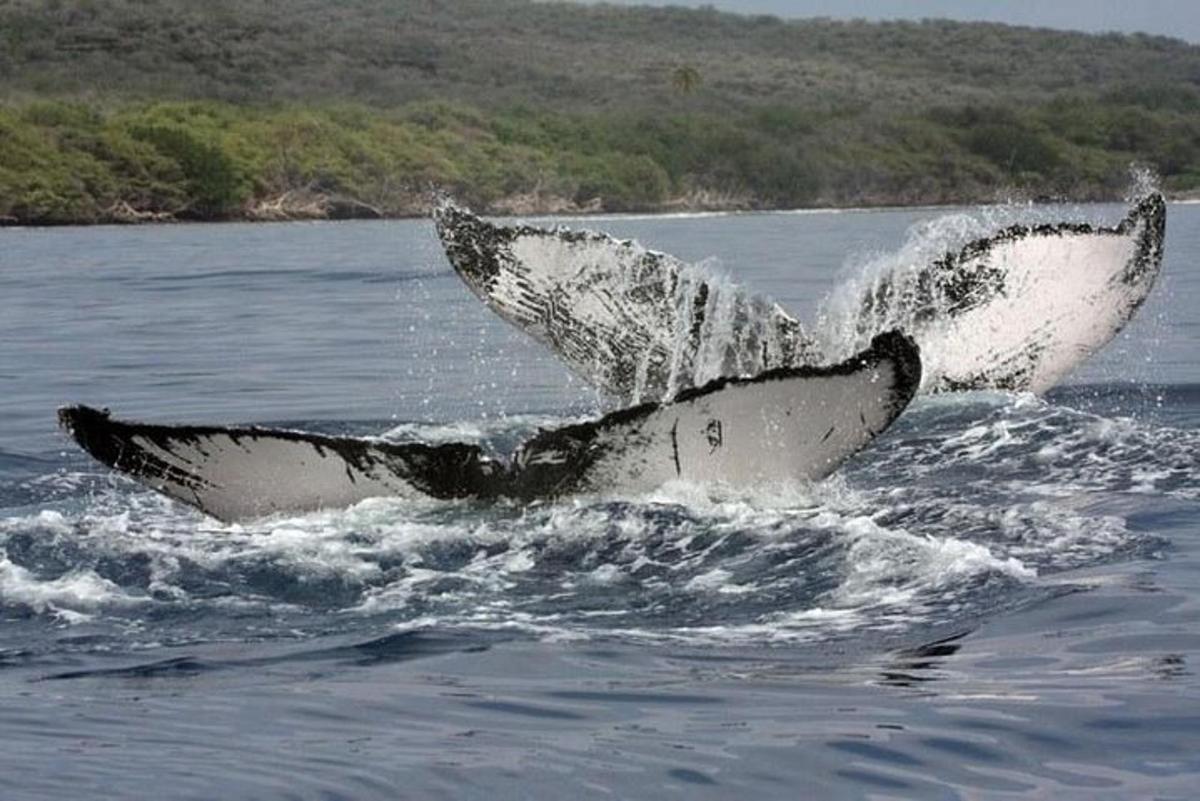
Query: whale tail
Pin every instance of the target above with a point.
(1016, 310)
(785, 424)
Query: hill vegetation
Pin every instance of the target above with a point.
(123, 110)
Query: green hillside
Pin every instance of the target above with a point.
(148, 109)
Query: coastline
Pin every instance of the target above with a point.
(333, 209)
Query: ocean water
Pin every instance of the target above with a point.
(999, 598)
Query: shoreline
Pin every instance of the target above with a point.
(594, 210)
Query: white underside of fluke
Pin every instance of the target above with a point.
(237, 477)
(1021, 310)
(1063, 301)
(785, 429)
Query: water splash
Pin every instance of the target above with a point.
(843, 324)
(1144, 180)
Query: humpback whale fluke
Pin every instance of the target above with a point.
(1016, 310)
(788, 423)
(638, 324)
(1020, 309)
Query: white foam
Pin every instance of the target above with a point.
(908, 534)
(716, 579)
(471, 430)
(70, 596)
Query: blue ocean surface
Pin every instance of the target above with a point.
(998, 598)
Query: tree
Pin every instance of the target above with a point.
(685, 78)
